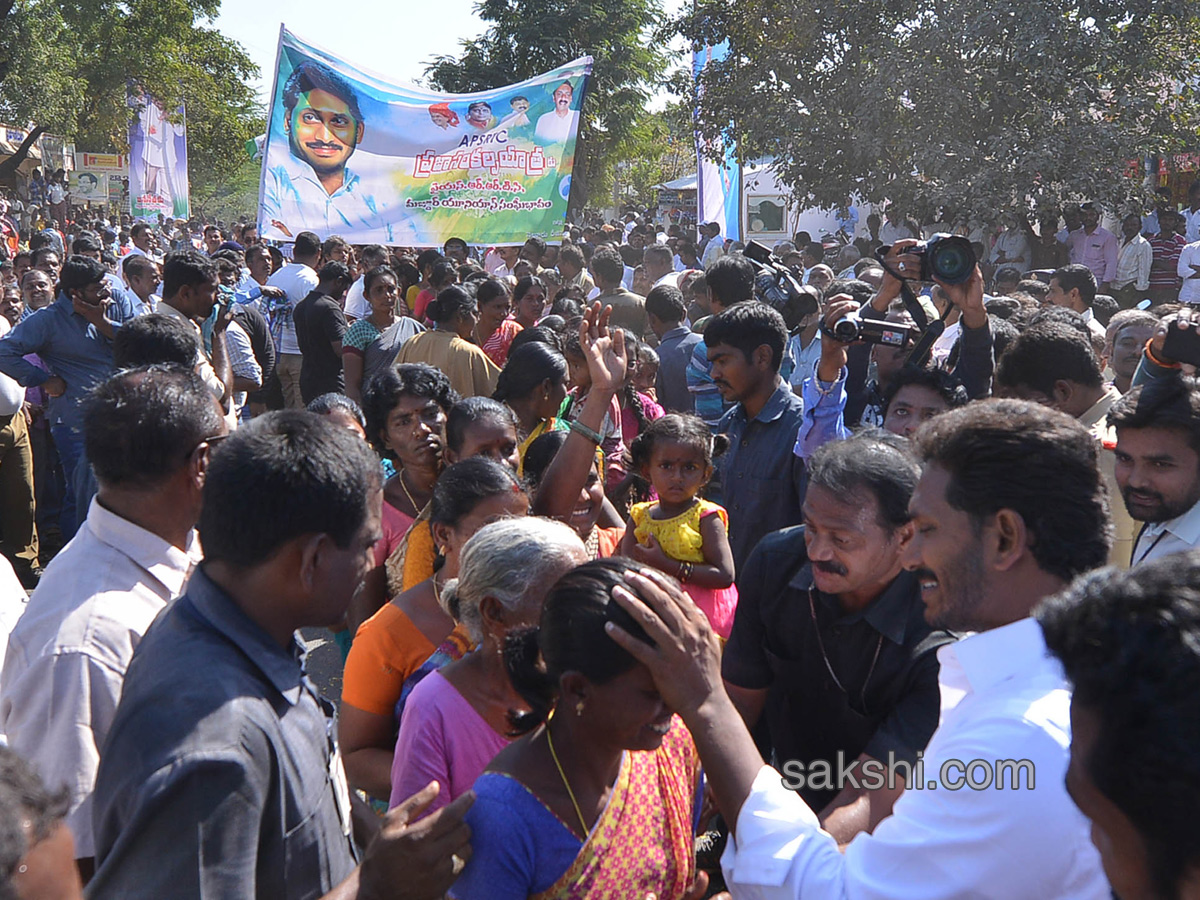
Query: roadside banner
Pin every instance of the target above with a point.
(158, 173)
(350, 153)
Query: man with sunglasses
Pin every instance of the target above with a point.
(148, 433)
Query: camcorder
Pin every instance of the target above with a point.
(854, 327)
(781, 287)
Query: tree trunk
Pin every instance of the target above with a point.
(9, 166)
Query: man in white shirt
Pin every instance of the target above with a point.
(1074, 287)
(715, 248)
(1129, 645)
(357, 306)
(142, 239)
(1010, 508)
(1189, 270)
(1134, 257)
(148, 433)
(895, 228)
(297, 279)
(658, 262)
(556, 127)
(1191, 214)
(1011, 247)
(1158, 464)
(141, 274)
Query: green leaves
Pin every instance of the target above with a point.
(66, 65)
(974, 107)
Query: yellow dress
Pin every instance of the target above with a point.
(680, 539)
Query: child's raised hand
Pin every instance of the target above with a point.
(652, 554)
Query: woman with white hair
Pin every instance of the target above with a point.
(457, 718)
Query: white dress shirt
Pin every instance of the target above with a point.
(807, 358)
(1133, 264)
(1191, 220)
(357, 305)
(12, 395)
(1173, 536)
(1003, 698)
(1013, 244)
(1093, 324)
(890, 233)
(1189, 256)
(297, 280)
(67, 657)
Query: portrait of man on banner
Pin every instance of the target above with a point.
(561, 123)
(314, 188)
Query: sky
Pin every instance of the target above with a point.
(371, 33)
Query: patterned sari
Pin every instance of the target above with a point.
(643, 842)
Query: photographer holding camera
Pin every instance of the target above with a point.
(839, 396)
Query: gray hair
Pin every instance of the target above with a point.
(504, 560)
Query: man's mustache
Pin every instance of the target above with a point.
(830, 568)
(323, 145)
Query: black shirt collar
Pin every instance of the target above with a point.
(888, 614)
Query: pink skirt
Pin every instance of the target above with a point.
(719, 604)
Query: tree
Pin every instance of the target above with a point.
(975, 107)
(528, 37)
(662, 148)
(65, 68)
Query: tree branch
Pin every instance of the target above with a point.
(10, 165)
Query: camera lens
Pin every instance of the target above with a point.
(846, 329)
(951, 259)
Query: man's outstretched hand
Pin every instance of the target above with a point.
(417, 861)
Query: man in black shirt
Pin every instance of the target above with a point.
(320, 327)
(830, 640)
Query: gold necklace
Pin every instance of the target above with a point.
(563, 776)
(404, 487)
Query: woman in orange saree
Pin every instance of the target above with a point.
(600, 798)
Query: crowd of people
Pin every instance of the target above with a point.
(644, 583)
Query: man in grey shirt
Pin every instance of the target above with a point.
(221, 777)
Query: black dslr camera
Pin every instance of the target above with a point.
(780, 287)
(944, 257)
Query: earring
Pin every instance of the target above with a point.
(579, 708)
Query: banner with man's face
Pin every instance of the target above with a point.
(349, 153)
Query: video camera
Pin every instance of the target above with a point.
(854, 327)
(780, 286)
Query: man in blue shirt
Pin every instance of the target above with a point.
(762, 482)
(73, 337)
(222, 775)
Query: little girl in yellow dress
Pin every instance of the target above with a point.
(680, 533)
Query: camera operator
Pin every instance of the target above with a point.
(840, 396)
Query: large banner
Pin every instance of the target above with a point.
(349, 153)
(719, 189)
(158, 173)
